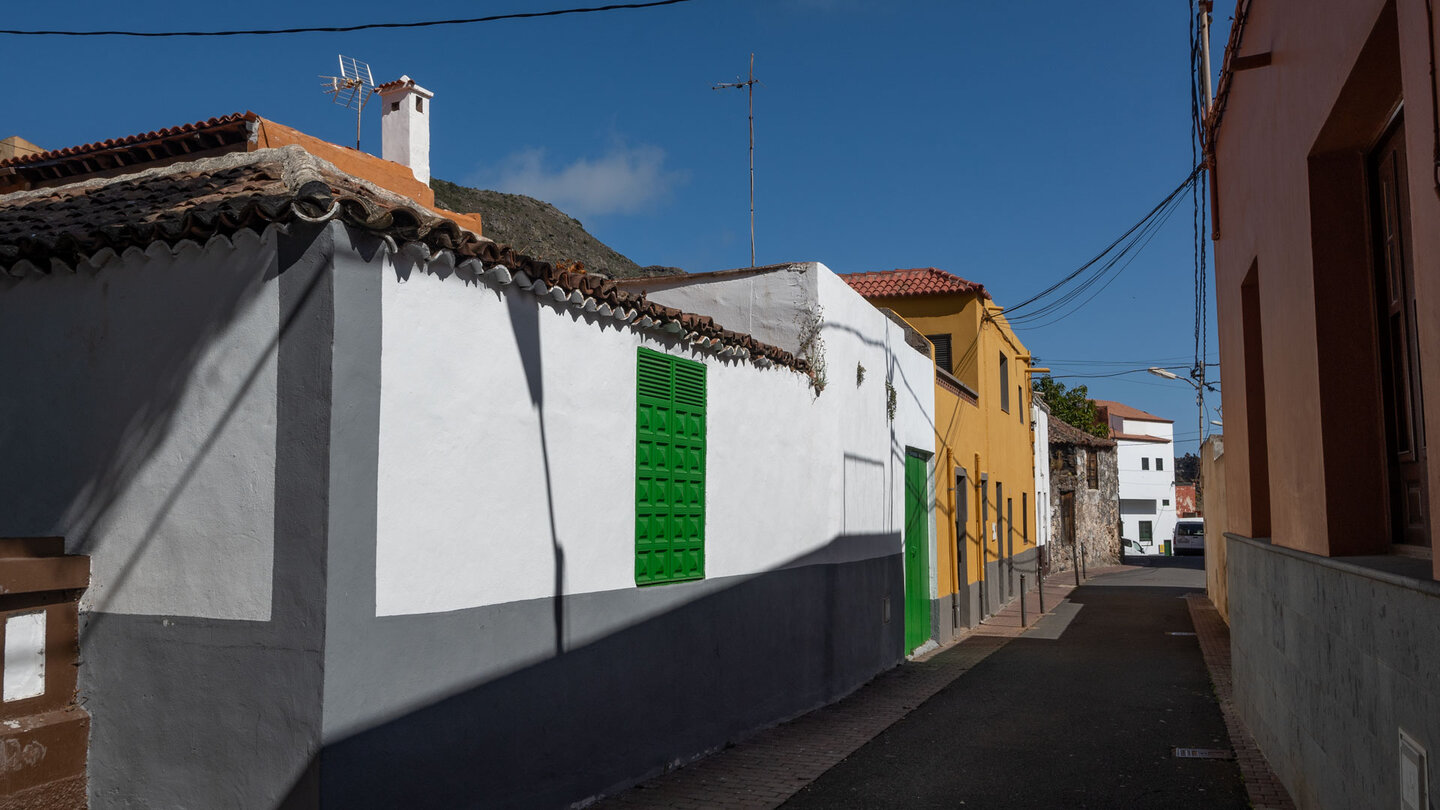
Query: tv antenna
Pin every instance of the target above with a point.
(351, 89)
(749, 86)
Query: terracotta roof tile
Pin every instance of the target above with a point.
(1065, 433)
(1125, 411)
(60, 228)
(914, 281)
(131, 140)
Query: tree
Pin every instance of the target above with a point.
(1187, 469)
(1071, 405)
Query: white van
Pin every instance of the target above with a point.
(1189, 536)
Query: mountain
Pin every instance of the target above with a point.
(541, 230)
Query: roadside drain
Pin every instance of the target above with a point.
(1204, 753)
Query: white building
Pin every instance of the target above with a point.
(367, 487)
(1040, 427)
(1145, 453)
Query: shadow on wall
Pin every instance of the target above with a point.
(747, 653)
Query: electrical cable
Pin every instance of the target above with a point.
(523, 15)
(1108, 248)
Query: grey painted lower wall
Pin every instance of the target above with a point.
(725, 657)
(194, 712)
(996, 591)
(1331, 660)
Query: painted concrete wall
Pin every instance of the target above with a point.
(1212, 491)
(181, 448)
(1326, 472)
(763, 303)
(1147, 494)
(1040, 421)
(984, 439)
(161, 431)
(1332, 660)
(482, 601)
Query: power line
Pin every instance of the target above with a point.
(1144, 221)
(520, 15)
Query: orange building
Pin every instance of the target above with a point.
(1322, 146)
(985, 491)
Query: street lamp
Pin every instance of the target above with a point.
(1199, 396)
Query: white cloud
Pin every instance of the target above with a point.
(625, 180)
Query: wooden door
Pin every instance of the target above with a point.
(917, 553)
(1399, 349)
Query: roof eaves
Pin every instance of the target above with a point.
(312, 190)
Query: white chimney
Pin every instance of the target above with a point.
(405, 125)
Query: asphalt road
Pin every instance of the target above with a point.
(1086, 720)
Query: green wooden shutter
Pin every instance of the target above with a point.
(669, 469)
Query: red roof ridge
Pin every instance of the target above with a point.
(129, 140)
(1128, 412)
(911, 281)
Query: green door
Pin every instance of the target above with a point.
(917, 554)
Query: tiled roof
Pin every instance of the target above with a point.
(1065, 433)
(159, 136)
(86, 223)
(1141, 437)
(1125, 411)
(915, 281)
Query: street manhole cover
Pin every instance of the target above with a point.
(1204, 753)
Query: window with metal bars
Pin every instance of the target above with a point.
(1092, 469)
(670, 398)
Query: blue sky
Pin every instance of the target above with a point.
(1004, 142)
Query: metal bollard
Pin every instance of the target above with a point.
(1022, 600)
(1075, 560)
(1082, 567)
(1040, 585)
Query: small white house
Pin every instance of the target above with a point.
(362, 487)
(1040, 426)
(1145, 454)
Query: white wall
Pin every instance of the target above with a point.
(1040, 420)
(1147, 494)
(760, 303)
(137, 419)
(507, 444)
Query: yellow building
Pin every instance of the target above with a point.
(985, 462)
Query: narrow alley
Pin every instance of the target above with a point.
(1083, 708)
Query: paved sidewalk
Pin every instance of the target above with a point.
(768, 768)
(1261, 784)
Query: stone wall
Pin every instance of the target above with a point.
(1097, 511)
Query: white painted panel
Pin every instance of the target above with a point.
(154, 453)
(24, 656)
(507, 446)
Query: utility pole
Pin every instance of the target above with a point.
(1205, 6)
(749, 86)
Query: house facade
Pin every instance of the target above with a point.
(1145, 454)
(1321, 147)
(1084, 497)
(1040, 427)
(808, 310)
(381, 513)
(985, 507)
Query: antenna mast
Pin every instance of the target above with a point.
(749, 86)
(351, 89)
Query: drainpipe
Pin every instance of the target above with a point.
(984, 537)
